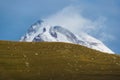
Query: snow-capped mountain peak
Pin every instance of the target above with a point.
(41, 31)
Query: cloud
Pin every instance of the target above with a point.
(106, 37)
(71, 18)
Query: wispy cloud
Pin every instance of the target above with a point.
(105, 37)
(71, 18)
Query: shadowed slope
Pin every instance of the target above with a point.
(55, 61)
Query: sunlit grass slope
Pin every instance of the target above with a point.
(55, 61)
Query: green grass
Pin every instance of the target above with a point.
(55, 61)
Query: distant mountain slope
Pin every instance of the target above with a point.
(55, 61)
(43, 32)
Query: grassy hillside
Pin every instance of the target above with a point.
(55, 61)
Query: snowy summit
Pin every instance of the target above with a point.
(42, 31)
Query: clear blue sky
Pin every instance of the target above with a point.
(16, 16)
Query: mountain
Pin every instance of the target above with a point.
(43, 32)
(55, 61)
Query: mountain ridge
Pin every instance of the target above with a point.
(41, 31)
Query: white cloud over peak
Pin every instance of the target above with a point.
(105, 36)
(71, 18)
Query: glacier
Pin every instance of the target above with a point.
(41, 31)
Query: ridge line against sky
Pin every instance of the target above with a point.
(102, 17)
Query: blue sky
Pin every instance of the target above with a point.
(16, 16)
